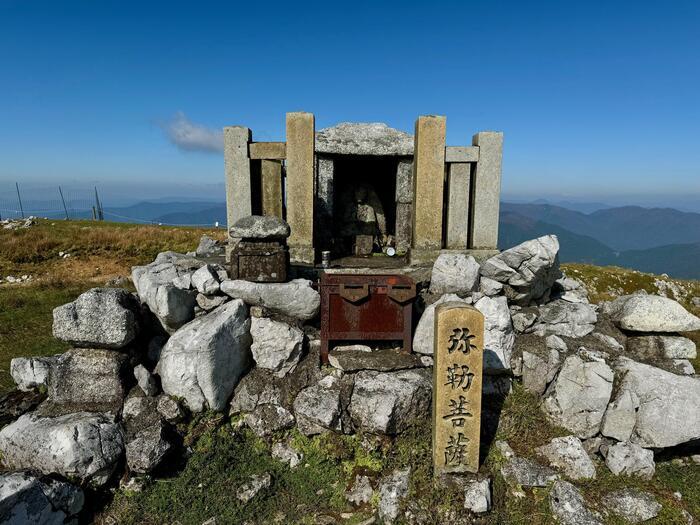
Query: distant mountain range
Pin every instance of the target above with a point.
(658, 240)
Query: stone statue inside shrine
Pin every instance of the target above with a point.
(363, 219)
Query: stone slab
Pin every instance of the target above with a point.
(404, 181)
(237, 170)
(486, 188)
(428, 179)
(382, 360)
(271, 180)
(267, 150)
(457, 383)
(461, 154)
(404, 227)
(458, 184)
(300, 186)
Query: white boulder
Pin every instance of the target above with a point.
(276, 345)
(295, 299)
(454, 273)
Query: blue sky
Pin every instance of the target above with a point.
(597, 100)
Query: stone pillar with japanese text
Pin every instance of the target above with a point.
(457, 379)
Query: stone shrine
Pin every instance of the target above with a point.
(358, 189)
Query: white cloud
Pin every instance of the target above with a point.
(189, 136)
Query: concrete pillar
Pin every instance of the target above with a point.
(237, 170)
(458, 181)
(271, 181)
(428, 182)
(300, 186)
(323, 223)
(458, 356)
(486, 191)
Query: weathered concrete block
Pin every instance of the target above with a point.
(487, 190)
(404, 181)
(458, 182)
(300, 186)
(271, 181)
(404, 227)
(237, 169)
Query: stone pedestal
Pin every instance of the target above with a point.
(428, 183)
(237, 170)
(300, 186)
(271, 180)
(487, 190)
(457, 381)
(458, 181)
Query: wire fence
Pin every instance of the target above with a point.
(18, 201)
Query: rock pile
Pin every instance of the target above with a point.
(192, 340)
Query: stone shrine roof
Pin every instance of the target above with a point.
(364, 138)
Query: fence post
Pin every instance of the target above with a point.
(100, 213)
(19, 198)
(63, 201)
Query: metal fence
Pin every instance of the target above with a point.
(58, 202)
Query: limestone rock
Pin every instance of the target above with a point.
(364, 138)
(170, 409)
(361, 491)
(392, 490)
(569, 507)
(454, 273)
(381, 360)
(633, 505)
(567, 453)
(386, 402)
(88, 380)
(629, 459)
(424, 336)
(276, 345)
(477, 496)
(206, 280)
(260, 227)
(555, 342)
(256, 484)
(579, 396)
(621, 416)
(285, 453)
(539, 371)
(98, 318)
(210, 302)
(30, 373)
(524, 319)
(651, 313)
(661, 346)
(209, 247)
(267, 419)
(667, 414)
(566, 319)
(318, 408)
(145, 380)
(527, 271)
(682, 367)
(204, 360)
(27, 499)
(295, 299)
(527, 473)
(84, 446)
(147, 450)
(489, 287)
(609, 341)
(499, 337)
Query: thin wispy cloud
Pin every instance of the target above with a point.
(190, 136)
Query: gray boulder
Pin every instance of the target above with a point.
(454, 273)
(621, 416)
(568, 455)
(295, 299)
(477, 496)
(169, 409)
(609, 341)
(27, 499)
(629, 459)
(651, 313)
(147, 449)
(364, 138)
(204, 360)
(569, 507)
(145, 380)
(318, 407)
(527, 473)
(88, 380)
(566, 319)
(30, 373)
(499, 337)
(84, 446)
(489, 287)
(527, 271)
(577, 399)
(539, 371)
(206, 280)
(424, 336)
(209, 247)
(267, 419)
(661, 346)
(392, 490)
(386, 402)
(555, 342)
(210, 302)
(633, 505)
(260, 227)
(98, 318)
(667, 414)
(276, 345)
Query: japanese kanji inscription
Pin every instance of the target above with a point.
(457, 372)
